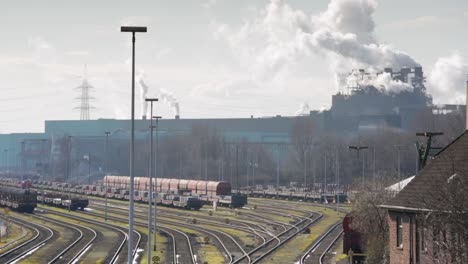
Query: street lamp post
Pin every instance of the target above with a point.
(358, 150)
(6, 162)
(155, 179)
(305, 167)
(399, 166)
(133, 30)
(43, 150)
(69, 146)
(107, 170)
(89, 168)
(150, 193)
(277, 166)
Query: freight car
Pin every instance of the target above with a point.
(179, 201)
(231, 201)
(63, 201)
(21, 200)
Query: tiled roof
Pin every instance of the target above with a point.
(428, 189)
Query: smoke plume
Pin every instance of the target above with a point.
(162, 94)
(383, 81)
(169, 99)
(143, 93)
(304, 109)
(343, 34)
(447, 81)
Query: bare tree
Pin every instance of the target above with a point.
(371, 220)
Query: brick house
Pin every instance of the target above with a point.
(411, 239)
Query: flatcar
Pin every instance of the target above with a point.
(18, 199)
(63, 201)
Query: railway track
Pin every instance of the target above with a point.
(224, 241)
(42, 235)
(76, 249)
(273, 244)
(259, 252)
(117, 255)
(317, 252)
(181, 246)
(254, 229)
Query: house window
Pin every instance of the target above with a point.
(399, 230)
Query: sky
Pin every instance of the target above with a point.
(217, 58)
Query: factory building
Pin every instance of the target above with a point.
(362, 105)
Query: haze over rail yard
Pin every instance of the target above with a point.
(212, 131)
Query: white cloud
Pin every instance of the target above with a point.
(136, 21)
(209, 3)
(447, 80)
(422, 21)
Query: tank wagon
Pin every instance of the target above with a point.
(21, 200)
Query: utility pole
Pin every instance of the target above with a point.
(133, 30)
(423, 150)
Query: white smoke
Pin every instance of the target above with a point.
(168, 98)
(143, 93)
(447, 81)
(383, 81)
(280, 36)
(304, 109)
(162, 94)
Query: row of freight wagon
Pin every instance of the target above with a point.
(25, 200)
(163, 185)
(179, 199)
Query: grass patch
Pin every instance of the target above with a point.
(15, 232)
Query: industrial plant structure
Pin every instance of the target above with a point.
(361, 106)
